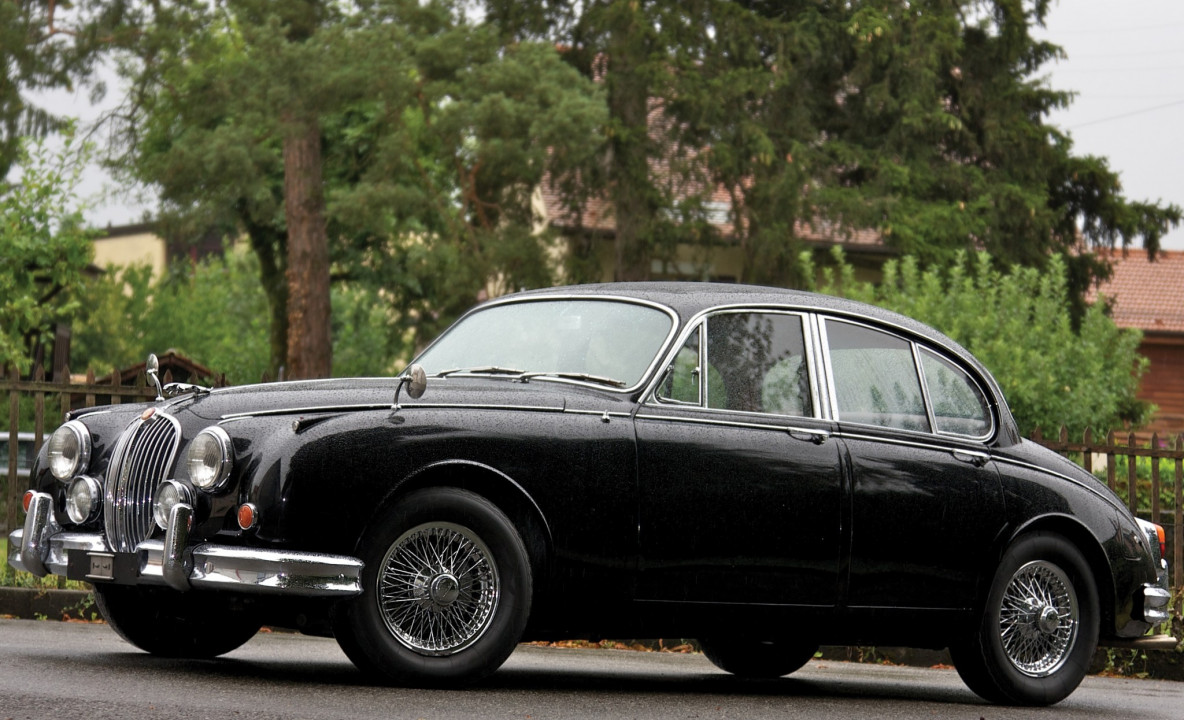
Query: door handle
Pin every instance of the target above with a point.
(976, 459)
(815, 436)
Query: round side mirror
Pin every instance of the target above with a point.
(417, 382)
(153, 365)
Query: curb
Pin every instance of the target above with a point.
(32, 603)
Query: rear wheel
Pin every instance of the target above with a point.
(172, 624)
(1039, 627)
(446, 591)
(757, 658)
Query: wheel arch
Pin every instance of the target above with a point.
(493, 485)
(1091, 549)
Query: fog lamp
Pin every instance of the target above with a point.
(169, 494)
(83, 499)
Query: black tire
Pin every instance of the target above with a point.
(757, 658)
(1039, 626)
(171, 624)
(437, 623)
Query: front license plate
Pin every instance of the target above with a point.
(102, 566)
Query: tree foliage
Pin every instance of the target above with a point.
(47, 45)
(924, 122)
(44, 251)
(215, 312)
(431, 135)
(1019, 324)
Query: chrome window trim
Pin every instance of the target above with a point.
(920, 373)
(698, 323)
(986, 396)
(646, 376)
(917, 347)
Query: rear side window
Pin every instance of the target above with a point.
(959, 406)
(875, 378)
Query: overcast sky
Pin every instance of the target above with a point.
(1125, 61)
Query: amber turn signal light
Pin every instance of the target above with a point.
(1163, 541)
(27, 500)
(247, 516)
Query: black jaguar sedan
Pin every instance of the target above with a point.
(765, 470)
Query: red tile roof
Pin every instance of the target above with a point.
(1147, 295)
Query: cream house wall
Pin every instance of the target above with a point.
(132, 249)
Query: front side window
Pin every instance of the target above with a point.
(959, 406)
(609, 339)
(755, 362)
(875, 378)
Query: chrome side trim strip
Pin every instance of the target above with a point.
(1107, 496)
(916, 444)
(471, 406)
(729, 423)
(311, 409)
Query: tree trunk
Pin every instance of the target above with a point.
(628, 100)
(309, 342)
(271, 249)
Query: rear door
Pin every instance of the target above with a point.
(926, 500)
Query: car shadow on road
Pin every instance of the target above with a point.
(565, 682)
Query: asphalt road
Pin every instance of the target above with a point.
(64, 671)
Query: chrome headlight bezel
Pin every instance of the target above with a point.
(209, 459)
(82, 514)
(168, 495)
(68, 450)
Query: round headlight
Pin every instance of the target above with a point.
(68, 450)
(169, 494)
(83, 499)
(209, 459)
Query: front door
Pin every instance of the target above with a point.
(739, 481)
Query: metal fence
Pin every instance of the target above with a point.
(1134, 469)
(60, 397)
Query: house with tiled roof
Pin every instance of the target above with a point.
(1149, 296)
(864, 249)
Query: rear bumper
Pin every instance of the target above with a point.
(42, 548)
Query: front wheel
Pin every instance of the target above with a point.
(446, 591)
(172, 624)
(757, 658)
(1039, 627)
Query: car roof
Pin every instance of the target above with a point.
(690, 298)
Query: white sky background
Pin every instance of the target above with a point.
(1125, 61)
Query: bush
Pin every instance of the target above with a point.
(1019, 324)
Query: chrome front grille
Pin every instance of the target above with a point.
(142, 458)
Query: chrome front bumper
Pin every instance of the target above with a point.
(41, 548)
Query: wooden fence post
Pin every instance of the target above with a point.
(1178, 527)
(14, 491)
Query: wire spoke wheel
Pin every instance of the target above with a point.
(1038, 619)
(438, 588)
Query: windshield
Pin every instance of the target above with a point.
(597, 340)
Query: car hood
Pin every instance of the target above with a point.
(375, 393)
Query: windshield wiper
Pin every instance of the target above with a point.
(599, 379)
(485, 370)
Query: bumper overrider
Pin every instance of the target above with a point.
(42, 548)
